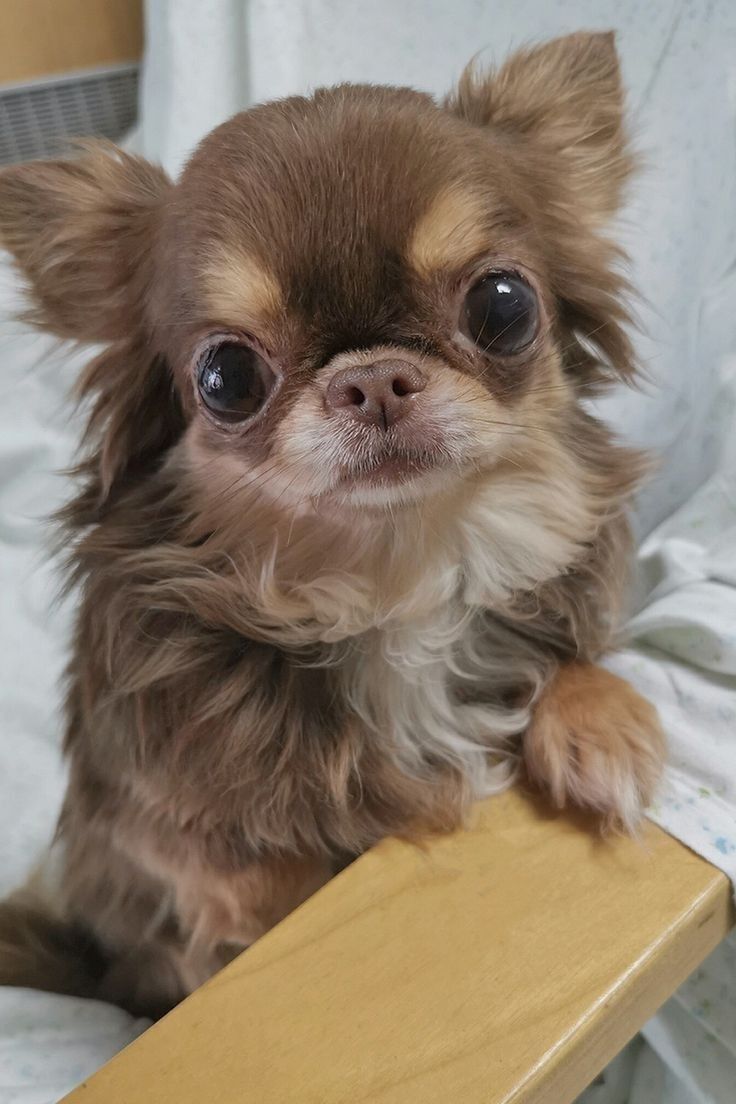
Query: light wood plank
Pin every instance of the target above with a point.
(41, 37)
(507, 963)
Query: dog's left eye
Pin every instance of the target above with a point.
(234, 382)
(500, 313)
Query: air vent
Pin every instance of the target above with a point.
(38, 119)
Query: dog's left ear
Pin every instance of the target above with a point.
(564, 101)
(558, 111)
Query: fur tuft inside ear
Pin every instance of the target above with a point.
(563, 98)
(80, 231)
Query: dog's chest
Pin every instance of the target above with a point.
(443, 692)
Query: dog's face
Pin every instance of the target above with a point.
(361, 298)
(355, 305)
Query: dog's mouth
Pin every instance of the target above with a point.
(390, 467)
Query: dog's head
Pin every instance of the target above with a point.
(354, 300)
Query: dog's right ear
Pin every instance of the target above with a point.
(81, 232)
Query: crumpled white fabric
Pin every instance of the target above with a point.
(684, 656)
(48, 1043)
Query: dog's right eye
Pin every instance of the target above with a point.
(234, 382)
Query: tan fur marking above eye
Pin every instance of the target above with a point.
(449, 233)
(238, 288)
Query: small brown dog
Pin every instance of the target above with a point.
(348, 543)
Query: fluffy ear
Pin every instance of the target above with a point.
(564, 100)
(81, 232)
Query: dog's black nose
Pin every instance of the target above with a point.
(378, 394)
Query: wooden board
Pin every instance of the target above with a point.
(506, 963)
(41, 37)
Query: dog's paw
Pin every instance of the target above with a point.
(594, 742)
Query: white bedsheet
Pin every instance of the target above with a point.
(48, 1044)
(684, 656)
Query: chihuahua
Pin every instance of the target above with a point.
(348, 542)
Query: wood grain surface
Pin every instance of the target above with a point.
(508, 962)
(41, 37)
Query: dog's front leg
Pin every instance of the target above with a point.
(596, 743)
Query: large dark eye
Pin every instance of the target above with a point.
(234, 381)
(501, 313)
